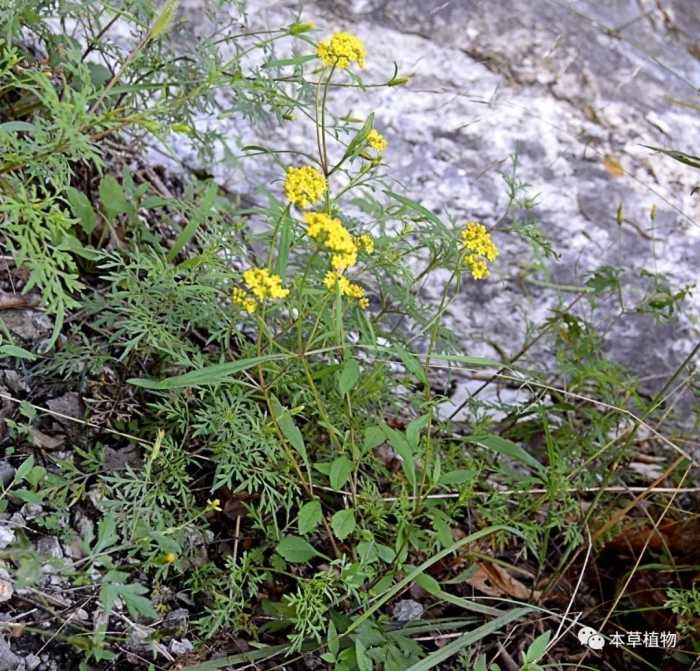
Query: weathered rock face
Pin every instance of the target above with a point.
(575, 87)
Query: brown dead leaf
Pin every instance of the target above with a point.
(494, 580)
(44, 441)
(613, 166)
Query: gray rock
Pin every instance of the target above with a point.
(28, 324)
(7, 536)
(7, 473)
(31, 662)
(181, 647)
(68, 404)
(407, 610)
(8, 660)
(177, 621)
(30, 511)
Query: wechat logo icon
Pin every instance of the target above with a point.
(591, 638)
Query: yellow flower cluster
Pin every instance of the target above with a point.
(477, 240)
(365, 242)
(262, 284)
(240, 297)
(341, 49)
(335, 280)
(304, 186)
(376, 140)
(335, 238)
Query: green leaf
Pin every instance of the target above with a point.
(349, 375)
(36, 475)
(364, 662)
(507, 447)
(28, 496)
(332, 638)
(414, 428)
(374, 437)
(398, 441)
(289, 429)
(537, 648)
(82, 208)
(199, 216)
(358, 142)
(343, 523)
(284, 245)
(131, 595)
(295, 60)
(106, 533)
(458, 477)
(16, 352)
(296, 550)
(24, 468)
(412, 364)
(208, 375)
(341, 467)
(428, 583)
(17, 126)
(112, 197)
(310, 516)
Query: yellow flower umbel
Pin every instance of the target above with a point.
(262, 284)
(341, 49)
(334, 237)
(477, 241)
(304, 186)
(336, 281)
(240, 297)
(376, 140)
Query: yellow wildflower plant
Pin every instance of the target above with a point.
(342, 49)
(376, 140)
(477, 241)
(335, 280)
(304, 185)
(334, 237)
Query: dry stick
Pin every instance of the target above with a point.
(555, 638)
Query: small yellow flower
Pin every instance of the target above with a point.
(240, 297)
(304, 186)
(336, 281)
(341, 49)
(477, 266)
(263, 284)
(169, 558)
(213, 504)
(376, 140)
(477, 240)
(366, 243)
(334, 237)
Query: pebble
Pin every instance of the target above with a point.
(407, 610)
(7, 536)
